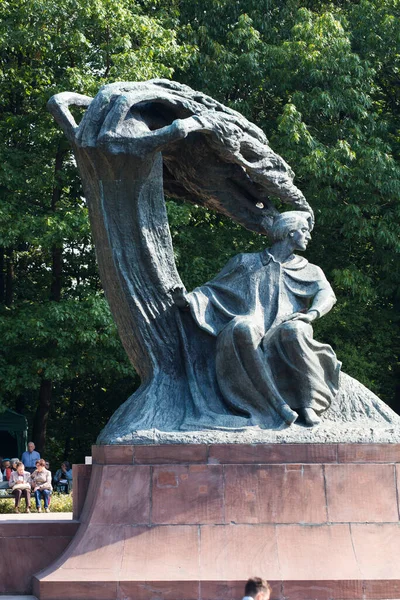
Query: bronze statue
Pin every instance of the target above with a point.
(244, 355)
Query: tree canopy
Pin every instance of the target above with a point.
(320, 78)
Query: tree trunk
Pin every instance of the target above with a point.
(57, 251)
(9, 288)
(56, 273)
(42, 415)
(46, 386)
(2, 277)
(20, 404)
(70, 417)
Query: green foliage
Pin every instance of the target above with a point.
(66, 340)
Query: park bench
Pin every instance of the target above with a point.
(8, 495)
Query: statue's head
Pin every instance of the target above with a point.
(294, 223)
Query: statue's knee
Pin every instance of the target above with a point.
(294, 329)
(243, 327)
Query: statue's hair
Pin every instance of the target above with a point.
(287, 222)
(255, 585)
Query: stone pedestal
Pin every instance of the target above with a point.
(186, 522)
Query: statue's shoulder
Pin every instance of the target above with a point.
(316, 271)
(240, 263)
(244, 258)
(250, 258)
(304, 269)
(251, 261)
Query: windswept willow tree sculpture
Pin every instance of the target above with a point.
(135, 141)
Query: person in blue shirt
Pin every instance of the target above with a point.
(30, 457)
(63, 478)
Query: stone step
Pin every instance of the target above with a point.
(18, 597)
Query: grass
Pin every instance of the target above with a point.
(59, 503)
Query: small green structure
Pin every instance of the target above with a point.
(13, 433)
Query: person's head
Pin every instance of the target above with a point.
(31, 446)
(6, 463)
(14, 462)
(40, 465)
(293, 224)
(20, 468)
(47, 464)
(65, 466)
(257, 588)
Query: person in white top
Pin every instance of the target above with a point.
(257, 589)
(21, 487)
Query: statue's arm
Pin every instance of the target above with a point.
(181, 298)
(323, 301)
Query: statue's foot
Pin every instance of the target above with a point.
(309, 417)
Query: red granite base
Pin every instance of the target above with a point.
(194, 522)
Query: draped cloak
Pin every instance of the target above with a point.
(267, 367)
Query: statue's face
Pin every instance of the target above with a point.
(301, 236)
